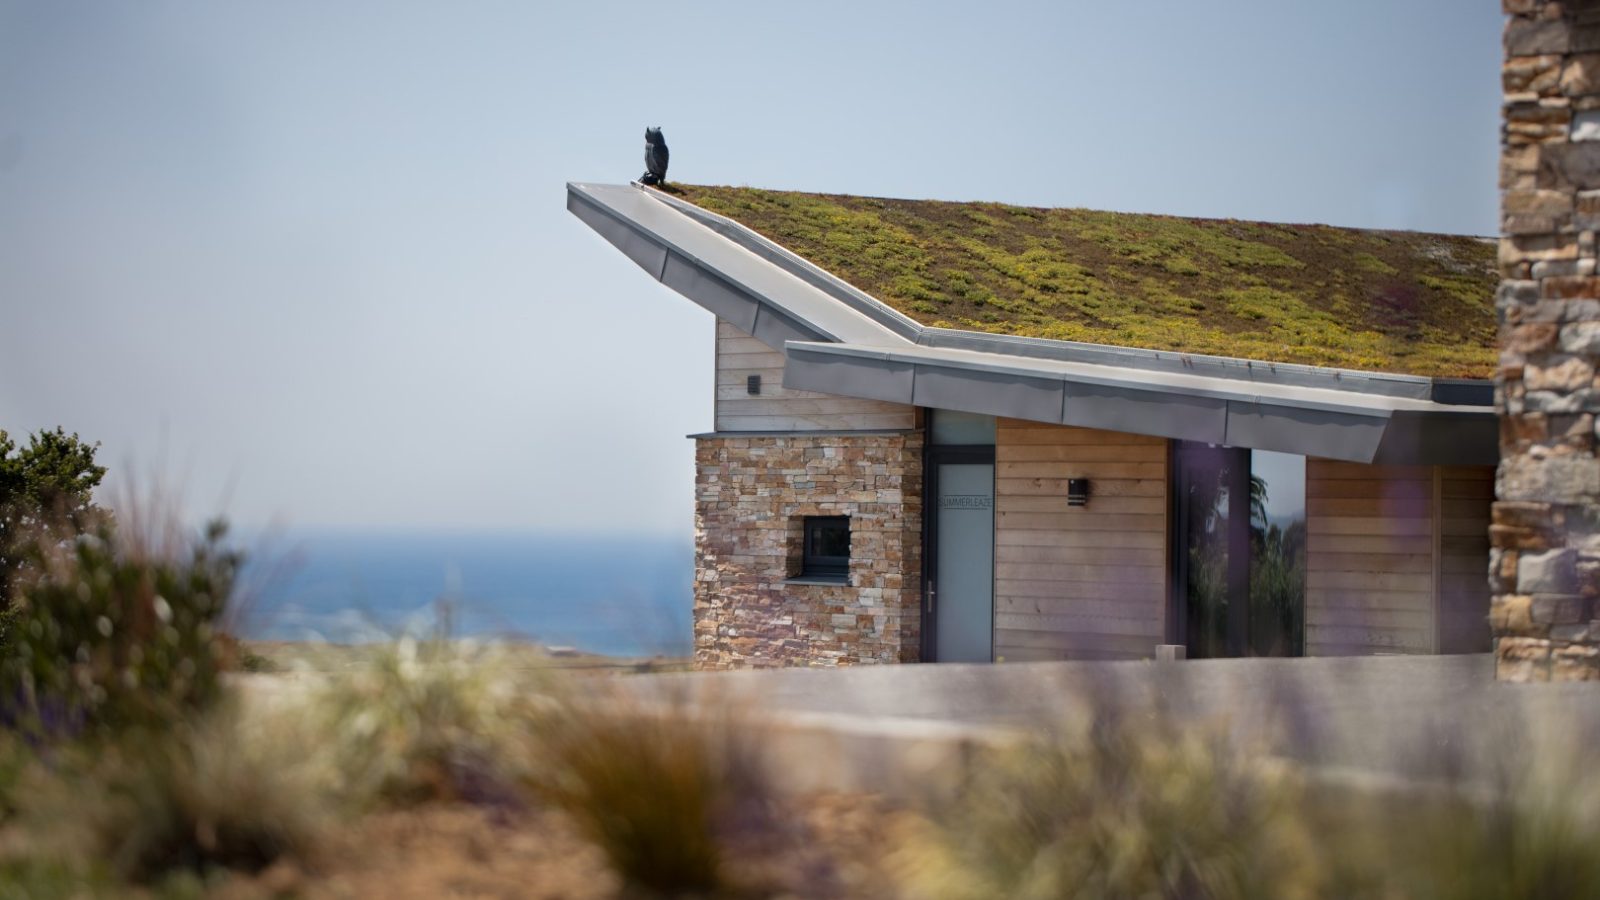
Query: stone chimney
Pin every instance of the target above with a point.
(1544, 568)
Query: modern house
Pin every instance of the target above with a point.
(975, 432)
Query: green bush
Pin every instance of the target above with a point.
(112, 628)
(45, 490)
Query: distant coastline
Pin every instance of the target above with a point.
(610, 595)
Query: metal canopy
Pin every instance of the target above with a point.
(839, 340)
(1309, 421)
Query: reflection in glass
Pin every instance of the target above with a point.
(1203, 475)
(1277, 553)
(1224, 564)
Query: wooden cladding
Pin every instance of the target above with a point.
(1396, 555)
(776, 408)
(1078, 582)
(1397, 558)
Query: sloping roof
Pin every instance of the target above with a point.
(837, 339)
(1391, 301)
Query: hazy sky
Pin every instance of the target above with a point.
(312, 259)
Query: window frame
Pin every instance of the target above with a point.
(813, 563)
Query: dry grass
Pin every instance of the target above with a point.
(665, 795)
(229, 791)
(1123, 808)
(427, 719)
(431, 768)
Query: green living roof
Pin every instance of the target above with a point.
(1395, 301)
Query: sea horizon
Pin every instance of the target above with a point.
(610, 594)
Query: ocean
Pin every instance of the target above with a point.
(616, 595)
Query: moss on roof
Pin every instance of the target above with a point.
(1393, 301)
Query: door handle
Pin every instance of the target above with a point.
(932, 593)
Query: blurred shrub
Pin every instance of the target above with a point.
(40, 879)
(1124, 809)
(224, 791)
(426, 719)
(114, 627)
(45, 488)
(667, 798)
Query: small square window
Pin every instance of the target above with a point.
(827, 547)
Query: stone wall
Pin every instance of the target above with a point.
(1545, 561)
(751, 495)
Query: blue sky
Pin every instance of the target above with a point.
(311, 260)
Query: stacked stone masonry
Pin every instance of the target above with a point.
(752, 494)
(1545, 530)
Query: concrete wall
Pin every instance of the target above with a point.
(1545, 566)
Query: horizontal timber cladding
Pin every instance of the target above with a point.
(777, 408)
(1395, 558)
(1078, 582)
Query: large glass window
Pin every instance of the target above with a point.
(1240, 544)
(1277, 553)
(1206, 481)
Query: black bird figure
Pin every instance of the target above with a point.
(655, 157)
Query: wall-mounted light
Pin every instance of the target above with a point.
(1077, 492)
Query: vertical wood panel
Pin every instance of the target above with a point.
(1079, 582)
(777, 408)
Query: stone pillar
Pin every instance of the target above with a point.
(751, 496)
(1545, 557)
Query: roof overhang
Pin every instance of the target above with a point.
(839, 340)
(1308, 421)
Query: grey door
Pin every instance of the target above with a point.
(960, 596)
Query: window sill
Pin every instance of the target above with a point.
(831, 580)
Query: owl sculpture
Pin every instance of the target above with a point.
(655, 157)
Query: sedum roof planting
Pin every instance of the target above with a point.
(1395, 301)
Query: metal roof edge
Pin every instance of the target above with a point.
(1466, 393)
(754, 293)
(1456, 391)
(797, 265)
(723, 296)
(1393, 430)
(1230, 389)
